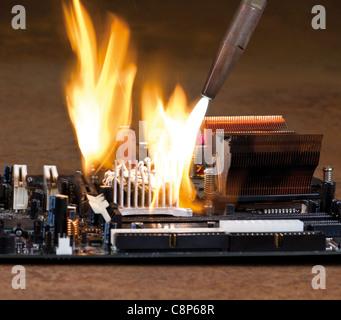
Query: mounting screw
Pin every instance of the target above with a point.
(328, 174)
(209, 182)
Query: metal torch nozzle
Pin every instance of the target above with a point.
(233, 44)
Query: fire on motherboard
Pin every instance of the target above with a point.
(260, 197)
(243, 185)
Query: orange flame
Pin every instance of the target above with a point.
(99, 100)
(172, 133)
(99, 93)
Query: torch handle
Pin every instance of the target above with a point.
(233, 44)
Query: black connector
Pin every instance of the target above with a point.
(172, 241)
(329, 228)
(278, 242)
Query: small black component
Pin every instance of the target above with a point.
(49, 242)
(212, 224)
(72, 215)
(2, 194)
(313, 206)
(137, 225)
(107, 232)
(229, 209)
(7, 178)
(115, 214)
(37, 236)
(112, 209)
(40, 196)
(34, 210)
(327, 196)
(336, 209)
(5, 196)
(101, 221)
(29, 242)
(84, 239)
(94, 218)
(7, 243)
(108, 193)
(45, 230)
(65, 187)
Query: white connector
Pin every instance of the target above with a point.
(50, 183)
(99, 206)
(20, 193)
(64, 247)
(265, 226)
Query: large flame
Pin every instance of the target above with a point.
(99, 92)
(99, 102)
(172, 134)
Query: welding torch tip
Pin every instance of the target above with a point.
(257, 4)
(208, 98)
(233, 44)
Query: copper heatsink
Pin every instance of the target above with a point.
(245, 123)
(266, 158)
(272, 164)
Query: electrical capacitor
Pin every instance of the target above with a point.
(58, 214)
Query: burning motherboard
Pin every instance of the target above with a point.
(192, 186)
(261, 198)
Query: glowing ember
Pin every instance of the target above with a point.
(99, 93)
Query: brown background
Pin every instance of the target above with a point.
(288, 69)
